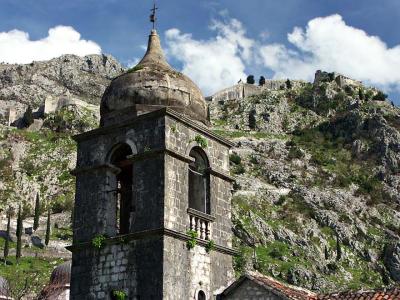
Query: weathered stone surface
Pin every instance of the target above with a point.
(151, 85)
(84, 78)
(392, 260)
(155, 265)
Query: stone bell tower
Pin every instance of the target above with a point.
(153, 209)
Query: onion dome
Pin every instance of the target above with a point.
(61, 275)
(4, 287)
(151, 85)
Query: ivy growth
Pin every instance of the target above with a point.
(134, 69)
(210, 246)
(98, 241)
(173, 128)
(119, 295)
(192, 242)
(202, 142)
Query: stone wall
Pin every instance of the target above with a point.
(249, 290)
(155, 248)
(51, 105)
(243, 90)
(238, 91)
(340, 79)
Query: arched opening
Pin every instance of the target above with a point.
(125, 208)
(201, 296)
(199, 181)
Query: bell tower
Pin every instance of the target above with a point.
(152, 216)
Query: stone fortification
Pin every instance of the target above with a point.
(52, 105)
(341, 80)
(243, 90)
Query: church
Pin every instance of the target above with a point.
(152, 217)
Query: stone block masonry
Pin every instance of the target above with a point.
(152, 260)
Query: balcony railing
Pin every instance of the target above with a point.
(201, 223)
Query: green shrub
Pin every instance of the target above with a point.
(238, 169)
(98, 241)
(295, 152)
(210, 246)
(134, 69)
(63, 202)
(254, 159)
(202, 142)
(191, 242)
(235, 158)
(119, 295)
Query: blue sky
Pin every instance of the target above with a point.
(120, 28)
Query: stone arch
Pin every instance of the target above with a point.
(118, 144)
(121, 186)
(201, 295)
(194, 144)
(199, 181)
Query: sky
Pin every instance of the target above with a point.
(217, 42)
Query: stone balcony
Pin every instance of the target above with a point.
(201, 223)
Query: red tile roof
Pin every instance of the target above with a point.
(384, 294)
(291, 292)
(285, 291)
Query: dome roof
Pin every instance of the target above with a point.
(151, 85)
(4, 287)
(61, 274)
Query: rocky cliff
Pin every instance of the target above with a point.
(317, 167)
(83, 78)
(37, 159)
(317, 193)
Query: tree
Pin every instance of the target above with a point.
(19, 233)
(7, 242)
(288, 84)
(326, 252)
(338, 248)
(250, 79)
(361, 94)
(261, 82)
(37, 213)
(252, 119)
(28, 117)
(48, 225)
(380, 96)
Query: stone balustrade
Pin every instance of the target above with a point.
(201, 223)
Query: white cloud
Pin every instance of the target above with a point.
(326, 43)
(16, 46)
(330, 44)
(215, 63)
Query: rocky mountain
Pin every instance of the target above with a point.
(83, 78)
(317, 166)
(317, 193)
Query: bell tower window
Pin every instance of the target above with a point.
(201, 296)
(199, 181)
(124, 208)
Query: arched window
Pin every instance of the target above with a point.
(125, 207)
(201, 296)
(199, 181)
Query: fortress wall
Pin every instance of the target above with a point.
(52, 105)
(243, 90)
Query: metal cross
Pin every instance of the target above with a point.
(153, 17)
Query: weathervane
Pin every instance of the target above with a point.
(153, 17)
